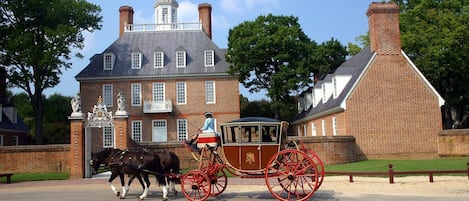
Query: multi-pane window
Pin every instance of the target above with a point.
(181, 92)
(107, 95)
(136, 60)
(165, 15)
(334, 87)
(108, 137)
(136, 94)
(208, 58)
(181, 59)
(210, 92)
(137, 131)
(313, 128)
(108, 61)
(323, 128)
(158, 92)
(1, 140)
(158, 59)
(334, 125)
(182, 129)
(305, 130)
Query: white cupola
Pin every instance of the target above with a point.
(166, 11)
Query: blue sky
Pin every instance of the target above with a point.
(320, 20)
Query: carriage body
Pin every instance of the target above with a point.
(253, 147)
(249, 143)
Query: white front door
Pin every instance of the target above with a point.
(159, 131)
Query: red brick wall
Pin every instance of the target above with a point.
(391, 112)
(35, 158)
(225, 109)
(454, 142)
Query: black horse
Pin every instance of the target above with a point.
(171, 166)
(139, 163)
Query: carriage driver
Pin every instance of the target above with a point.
(209, 125)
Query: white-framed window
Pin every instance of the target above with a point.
(334, 125)
(108, 137)
(209, 58)
(158, 59)
(137, 130)
(210, 92)
(182, 129)
(1, 140)
(313, 129)
(158, 92)
(181, 95)
(160, 130)
(305, 130)
(136, 94)
(298, 130)
(323, 127)
(165, 16)
(323, 93)
(107, 95)
(15, 140)
(136, 60)
(180, 59)
(334, 88)
(108, 61)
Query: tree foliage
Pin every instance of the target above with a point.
(272, 53)
(37, 41)
(435, 35)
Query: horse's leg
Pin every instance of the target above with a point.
(145, 185)
(113, 188)
(122, 177)
(165, 189)
(172, 187)
(127, 187)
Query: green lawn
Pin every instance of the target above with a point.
(36, 177)
(401, 165)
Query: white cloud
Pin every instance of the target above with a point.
(187, 12)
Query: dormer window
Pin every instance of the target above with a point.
(209, 58)
(108, 61)
(180, 59)
(323, 93)
(334, 87)
(136, 60)
(158, 59)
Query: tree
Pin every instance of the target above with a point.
(327, 57)
(37, 41)
(435, 36)
(271, 53)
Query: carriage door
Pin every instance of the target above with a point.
(159, 131)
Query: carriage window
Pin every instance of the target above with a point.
(229, 134)
(249, 134)
(270, 133)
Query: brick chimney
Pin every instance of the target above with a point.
(205, 17)
(126, 16)
(383, 22)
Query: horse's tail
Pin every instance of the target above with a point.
(176, 167)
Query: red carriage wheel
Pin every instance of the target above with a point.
(320, 166)
(195, 185)
(291, 175)
(219, 181)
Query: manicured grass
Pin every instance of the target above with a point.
(401, 165)
(37, 177)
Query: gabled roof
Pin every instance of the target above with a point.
(6, 125)
(193, 42)
(354, 67)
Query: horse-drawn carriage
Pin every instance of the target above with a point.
(253, 147)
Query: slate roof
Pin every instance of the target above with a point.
(354, 67)
(193, 42)
(7, 125)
